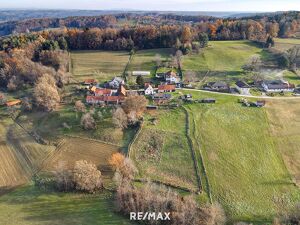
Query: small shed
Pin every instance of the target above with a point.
(141, 73)
(13, 103)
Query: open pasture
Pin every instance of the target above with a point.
(284, 44)
(32, 206)
(74, 149)
(244, 165)
(100, 65)
(162, 153)
(285, 129)
(222, 60)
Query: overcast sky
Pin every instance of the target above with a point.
(163, 5)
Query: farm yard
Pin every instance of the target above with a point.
(99, 65)
(160, 148)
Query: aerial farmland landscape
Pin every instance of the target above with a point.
(173, 113)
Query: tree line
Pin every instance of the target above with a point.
(84, 33)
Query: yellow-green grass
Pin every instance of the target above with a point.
(245, 168)
(284, 44)
(51, 125)
(75, 149)
(222, 59)
(175, 164)
(285, 128)
(100, 65)
(144, 60)
(31, 206)
(291, 77)
(20, 155)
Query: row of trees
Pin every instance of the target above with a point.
(158, 35)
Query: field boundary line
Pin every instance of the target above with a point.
(91, 139)
(141, 180)
(190, 142)
(208, 187)
(127, 65)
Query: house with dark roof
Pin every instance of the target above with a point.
(161, 98)
(115, 83)
(220, 86)
(242, 87)
(277, 86)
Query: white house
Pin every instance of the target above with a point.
(278, 86)
(242, 87)
(149, 90)
(141, 73)
(171, 77)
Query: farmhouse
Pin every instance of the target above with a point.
(161, 98)
(104, 92)
(242, 87)
(277, 86)
(115, 83)
(166, 88)
(171, 77)
(141, 73)
(148, 90)
(109, 100)
(217, 86)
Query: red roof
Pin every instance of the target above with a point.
(14, 102)
(167, 87)
(105, 98)
(90, 81)
(105, 91)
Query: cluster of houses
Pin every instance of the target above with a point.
(114, 92)
(268, 86)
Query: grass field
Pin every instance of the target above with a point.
(144, 60)
(100, 65)
(222, 60)
(161, 148)
(245, 168)
(31, 206)
(74, 149)
(20, 155)
(285, 44)
(285, 129)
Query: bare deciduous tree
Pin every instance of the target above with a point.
(88, 122)
(79, 106)
(87, 177)
(120, 118)
(46, 93)
(135, 104)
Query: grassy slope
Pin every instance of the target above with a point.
(101, 65)
(285, 127)
(245, 169)
(283, 44)
(145, 59)
(223, 59)
(30, 206)
(175, 151)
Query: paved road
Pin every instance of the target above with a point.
(246, 96)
